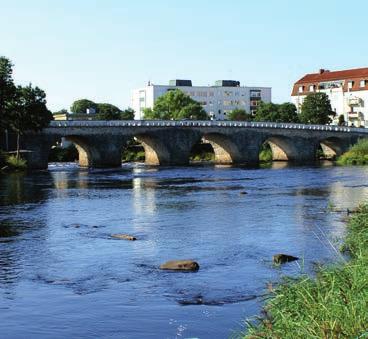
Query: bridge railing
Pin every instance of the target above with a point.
(204, 123)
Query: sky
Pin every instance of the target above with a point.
(102, 49)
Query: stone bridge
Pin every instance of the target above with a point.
(101, 143)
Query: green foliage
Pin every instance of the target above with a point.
(316, 109)
(239, 115)
(60, 154)
(108, 112)
(285, 112)
(16, 163)
(28, 110)
(334, 305)
(341, 120)
(357, 155)
(81, 106)
(7, 91)
(176, 105)
(127, 114)
(266, 153)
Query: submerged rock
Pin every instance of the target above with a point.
(124, 237)
(283, 258)
(180, 265)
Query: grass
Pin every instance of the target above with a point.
(334, 305)
(15, 163)
(357, 155)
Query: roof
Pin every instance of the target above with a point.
(325, 75)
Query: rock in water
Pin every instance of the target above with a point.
(283, 258)
(180, 265)
(124, 237)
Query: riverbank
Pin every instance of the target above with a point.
(334, 305)
(357, 155)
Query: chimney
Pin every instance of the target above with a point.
(322, 70)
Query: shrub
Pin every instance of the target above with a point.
(357, 155)
(16, 163)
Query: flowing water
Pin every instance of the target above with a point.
(63, 276)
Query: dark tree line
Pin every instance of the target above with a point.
(103, 111)
(316, 109)
(22, 108)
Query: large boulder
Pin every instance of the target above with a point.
(124, 237)
(180, 265)
(283, 258)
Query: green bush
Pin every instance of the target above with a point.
(266, 153)
(357, 155)
(60, 154)
(16, 163)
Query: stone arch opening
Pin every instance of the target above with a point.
(133, 151)
(70, 149)
(202, 151)
(330, 148)
(155, 151)
(278, 148)
(225, 150)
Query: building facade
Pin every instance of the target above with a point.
(217, 100)
(346, 89)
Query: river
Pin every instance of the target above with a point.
(63, 276)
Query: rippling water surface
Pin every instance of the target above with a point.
(63, 276)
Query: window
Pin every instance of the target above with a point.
(255, 93)
(301, 89)
(362, 83)
(350, 84)
(311, 88)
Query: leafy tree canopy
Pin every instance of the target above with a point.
(62, 111)
(28, 110)
(7, 90)
(316, 109)
(240, 115)
(81, 106)
(108, 112)
(285, 112)
(127, 114)
(176, 105)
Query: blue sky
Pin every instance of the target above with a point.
(102, 49)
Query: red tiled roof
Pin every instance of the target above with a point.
(335, 75)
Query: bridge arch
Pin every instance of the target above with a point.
(332, 147)
(282, 147)
(84, 151)
(225, 149)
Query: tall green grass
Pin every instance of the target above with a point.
(357, 155)
(334, 305)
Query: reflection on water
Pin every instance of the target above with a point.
(62, 275)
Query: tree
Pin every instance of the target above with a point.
(7, 90)
(288, 112)
(28, 111)
(127, 114)
(81, 106)
(341, 120)
(316, 109)
(285, 112)
(108, 112)
(240, 115)
(176, 105)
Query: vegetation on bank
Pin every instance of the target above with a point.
(334, 305)
(266, 153)
(357, 155)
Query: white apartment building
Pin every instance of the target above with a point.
(217, 100)
(347, 91)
